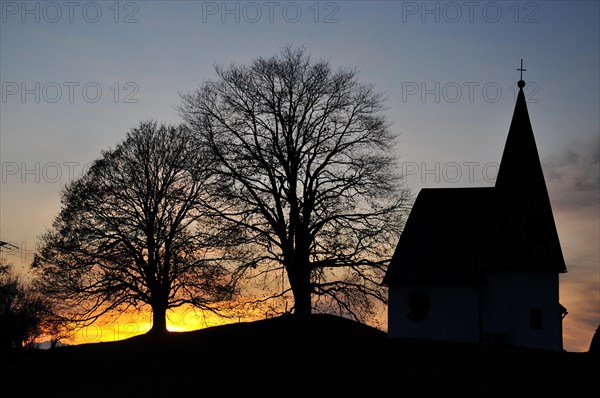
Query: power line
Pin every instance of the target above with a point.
(8, 244)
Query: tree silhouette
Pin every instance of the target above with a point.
(305, 154)
(131, 232)
(24, 314)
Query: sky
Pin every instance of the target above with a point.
(76, 76)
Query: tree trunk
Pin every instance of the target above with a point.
(302, 301)
(299, 277)
(159, 319)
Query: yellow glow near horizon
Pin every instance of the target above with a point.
(129, 325)
(126, 325)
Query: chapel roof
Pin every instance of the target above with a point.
(458, 234)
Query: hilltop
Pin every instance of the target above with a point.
(325, 349)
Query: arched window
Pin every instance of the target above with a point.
(419, 303)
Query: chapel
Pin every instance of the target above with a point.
(482, 264)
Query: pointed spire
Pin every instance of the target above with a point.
(520, 161)
(532, 237)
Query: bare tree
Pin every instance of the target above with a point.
(131, 233)
(23, 312)
(306, 156)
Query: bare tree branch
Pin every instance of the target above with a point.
(309, 177)
(132, 231)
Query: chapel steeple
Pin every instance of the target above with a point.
(520, 165)
(533, 241)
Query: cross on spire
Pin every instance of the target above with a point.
(521, 83)
(521, 69)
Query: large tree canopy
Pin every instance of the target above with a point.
(308, 174)
(131, 232)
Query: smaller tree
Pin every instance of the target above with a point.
(23, 312)
(132, 233)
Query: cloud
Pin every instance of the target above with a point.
(573, 179)
(573, 176)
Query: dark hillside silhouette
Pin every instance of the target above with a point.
(256, 356)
